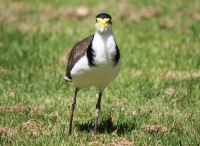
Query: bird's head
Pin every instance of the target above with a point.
(103, 22)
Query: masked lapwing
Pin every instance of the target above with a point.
(94, 61)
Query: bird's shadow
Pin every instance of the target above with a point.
(106, 126)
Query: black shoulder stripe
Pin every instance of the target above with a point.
(117, 56)
(90, 55)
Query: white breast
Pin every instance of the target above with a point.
(104, 72)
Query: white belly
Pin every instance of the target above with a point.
(100, 76)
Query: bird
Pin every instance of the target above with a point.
(94, 61)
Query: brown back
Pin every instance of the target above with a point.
(77, 52)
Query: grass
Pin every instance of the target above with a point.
(154, 101)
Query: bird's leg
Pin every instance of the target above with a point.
(98, 107)
(72, 111)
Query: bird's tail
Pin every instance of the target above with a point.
(67, 79)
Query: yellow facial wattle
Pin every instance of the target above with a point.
(102, 24)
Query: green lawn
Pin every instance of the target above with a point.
(155, 100)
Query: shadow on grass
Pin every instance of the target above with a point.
(106, 126)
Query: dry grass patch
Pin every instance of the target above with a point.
(121, 104)
(12, 94)
(125, 143)
(118, 141)
(163, 74)
(7, 132)
(69, 14)
(6, 16)
(154, 129)
(179, 97)
(25, 27)
(150, 12)
(53, 115)
(10, 11)
(2, 70)
(34, 126)
(170, 91)
(17, 108)
(41, 108)
(20, 7)
(128, 12)
(1, 45)
(195, 16)
(181, 74)
(138, 73)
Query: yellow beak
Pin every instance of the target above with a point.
(102, 24)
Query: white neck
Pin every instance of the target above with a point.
(104, 46)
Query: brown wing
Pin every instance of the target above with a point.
(77, 52)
